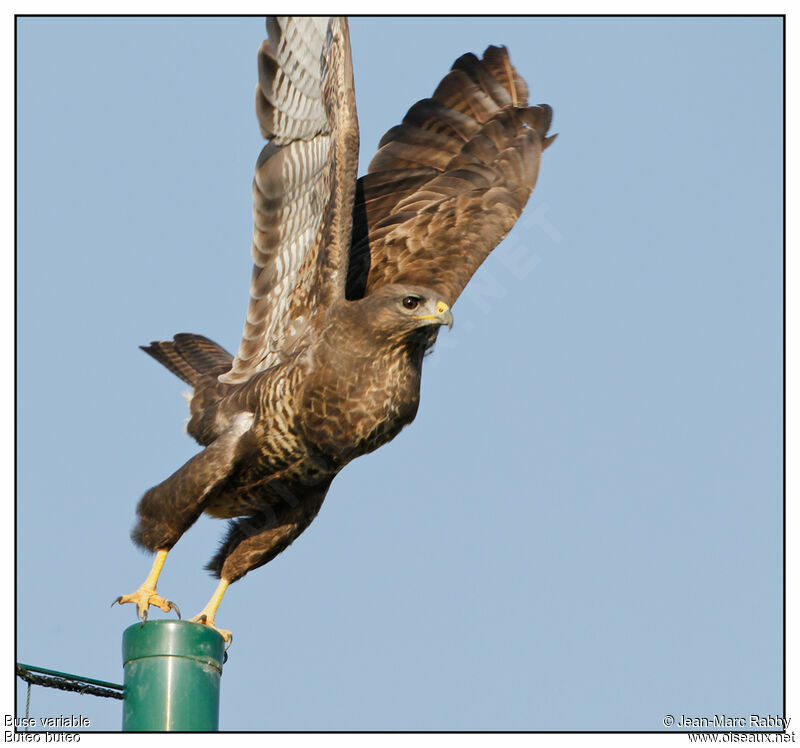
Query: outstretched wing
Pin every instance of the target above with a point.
(448, 183)
(303, 186)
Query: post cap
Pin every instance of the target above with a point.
(165, 638)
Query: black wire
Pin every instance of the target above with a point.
(66, 684)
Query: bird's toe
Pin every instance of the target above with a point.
(224, 633)
(145, 597)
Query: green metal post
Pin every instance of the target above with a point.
(172, 673)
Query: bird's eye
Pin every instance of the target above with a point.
(411, 302)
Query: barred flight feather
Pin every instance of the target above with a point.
(305, 104)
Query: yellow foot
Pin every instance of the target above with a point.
(224, 633)
(144, 597)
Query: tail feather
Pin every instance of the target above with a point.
(190, 356)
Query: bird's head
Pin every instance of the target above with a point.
(394, 314)
(398, 309)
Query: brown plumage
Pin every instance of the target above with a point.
(351, 282)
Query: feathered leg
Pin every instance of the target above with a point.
(253, 541)
(167, 510)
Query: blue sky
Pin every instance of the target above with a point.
(581, 529)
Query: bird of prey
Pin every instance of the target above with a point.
(351, 282)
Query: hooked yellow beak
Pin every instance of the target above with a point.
(443, 315)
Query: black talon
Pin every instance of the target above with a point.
(174, 607)
(118, 600)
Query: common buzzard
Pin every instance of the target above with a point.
(351, 281)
